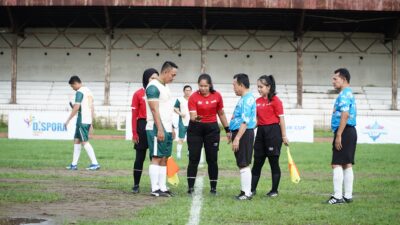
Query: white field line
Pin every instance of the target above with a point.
(195, 210)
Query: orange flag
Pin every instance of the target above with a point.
(294, 172)
(172, 171)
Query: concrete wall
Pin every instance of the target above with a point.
(42, 55)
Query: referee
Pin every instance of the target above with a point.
(139, 127)
(345, 138)
(271, 133)
(242, 126)
(204, 105)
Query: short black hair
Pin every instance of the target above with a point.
(168, 65)
(242, 79)
(187, 86)
(344, 73)
(74, 79)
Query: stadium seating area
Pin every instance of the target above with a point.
(317, 100)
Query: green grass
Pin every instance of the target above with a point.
(377, 185)
(25, 193)
(322, 133)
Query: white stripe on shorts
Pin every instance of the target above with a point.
(155, 146)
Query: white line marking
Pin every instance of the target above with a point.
(195, 210)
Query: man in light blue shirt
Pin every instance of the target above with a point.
(345, 138)
(242, 127)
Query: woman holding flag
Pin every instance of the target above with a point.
(271, 133)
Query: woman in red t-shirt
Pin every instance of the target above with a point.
(139, 127)
(204, 106)
(271, 133)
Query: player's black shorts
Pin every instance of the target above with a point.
(203, 133)
(245, 153)
(268, 141)
(141, 130)
(349, 142)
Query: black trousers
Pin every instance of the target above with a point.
(268, 144)
(199, 135)
(140, 148)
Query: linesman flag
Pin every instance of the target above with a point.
(172, 171)
(294, 172)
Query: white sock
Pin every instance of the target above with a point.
(338, 182)
(348, 178)
(162, 178)
(245, 180)
(77, 153)
(178, 150)
(154, 171)
(89, 149)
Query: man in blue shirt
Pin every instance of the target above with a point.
(242, 127)
(345, 138)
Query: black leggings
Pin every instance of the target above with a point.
(275, 171)
(200, 134)
(138, 165)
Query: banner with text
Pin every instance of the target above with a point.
(378, 130)
(299, 128)
(40, 125)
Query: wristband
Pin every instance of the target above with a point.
(227, 130)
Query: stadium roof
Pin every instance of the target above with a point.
(376, 16)
(368, 5)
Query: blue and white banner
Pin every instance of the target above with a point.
(374, 130)
(299, 128)
(40, 125)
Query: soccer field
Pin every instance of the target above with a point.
(34, 184)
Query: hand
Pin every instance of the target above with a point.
(160, 135)
(135, 138)
(285, 141)
(198, 118)
(91, 129)
(173, 134)
(183, 115)
(235, 145)
(338, 142)
(66, 124)
(229, 137)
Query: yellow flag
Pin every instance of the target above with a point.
(172, 172)
(294, 172)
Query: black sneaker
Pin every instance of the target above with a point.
(347, 200)
(272, 194)
(190, 191)
(213, 191)
(167, 193)
(160, 193)
(156, 193)
(334, 201)
(242, 196)
(135, 189)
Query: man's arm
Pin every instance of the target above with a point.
(75, 108)
(235, 143)
(73, 113)
(343, 121)
(154, 107)
(153, 95)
